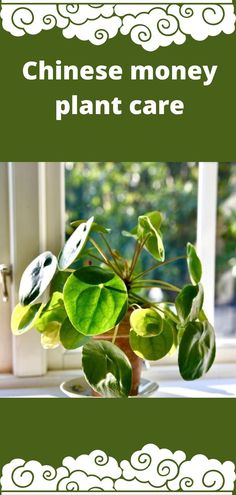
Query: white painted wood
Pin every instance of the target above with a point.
(29, 359)
(219, 381)
(52, 214)
(206, 230)
(5, 307)
(52, 208)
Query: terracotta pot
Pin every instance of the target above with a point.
(122, 341)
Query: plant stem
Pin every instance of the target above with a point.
(137, 253)
(99, 249)
(111, 252)
(154, 282)
(115, 334)
(138, 298)
(98, 259)
(149, 284)
(101, 252)
(157, 265)
(169, 314)
(156, 306)
(133, 258)
(163, 287)
(202, 315)
(57, 306)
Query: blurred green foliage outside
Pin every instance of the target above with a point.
(117, 193)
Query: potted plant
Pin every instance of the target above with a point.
(95, 299)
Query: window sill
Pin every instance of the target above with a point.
(220, 382)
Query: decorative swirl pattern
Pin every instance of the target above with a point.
(141, 461)
(148, 25)
(22, 17)
(50, 21)
(214, 480)
(72, 486)
(213, 15)
(168, 468)
(101, 459)
(186, 483)
(149, 470)
(168, 27)
(186, 11)
(22, 478)
(49, 473)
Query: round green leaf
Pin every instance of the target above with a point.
(24, 317)
(54, 311)
(153, 348)
(146, 322)
(75, 244)
(107, 369)
(70, 337)
(196, 350)
(50, 338)
(36, 277)
(194, 264)
(95, 300)
(189, 303)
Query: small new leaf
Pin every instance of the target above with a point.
(194, 264)
(50, 338)
(148, 225)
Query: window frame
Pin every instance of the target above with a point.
(5, 307)
(207, 222)
(46, 198)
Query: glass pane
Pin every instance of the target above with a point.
(117, 193)
(225, 316)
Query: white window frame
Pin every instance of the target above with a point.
(206, 230)
(37, 198)
(5, 307)
(36, 219)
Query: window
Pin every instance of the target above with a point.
(225, 293)
(38, 198)
(186, 193)
(33, 198)
(117, 193)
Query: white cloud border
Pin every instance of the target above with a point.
(151, 469)
(149, 25)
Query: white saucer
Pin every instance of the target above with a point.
(79, 388)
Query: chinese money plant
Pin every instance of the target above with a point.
(90, 289)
